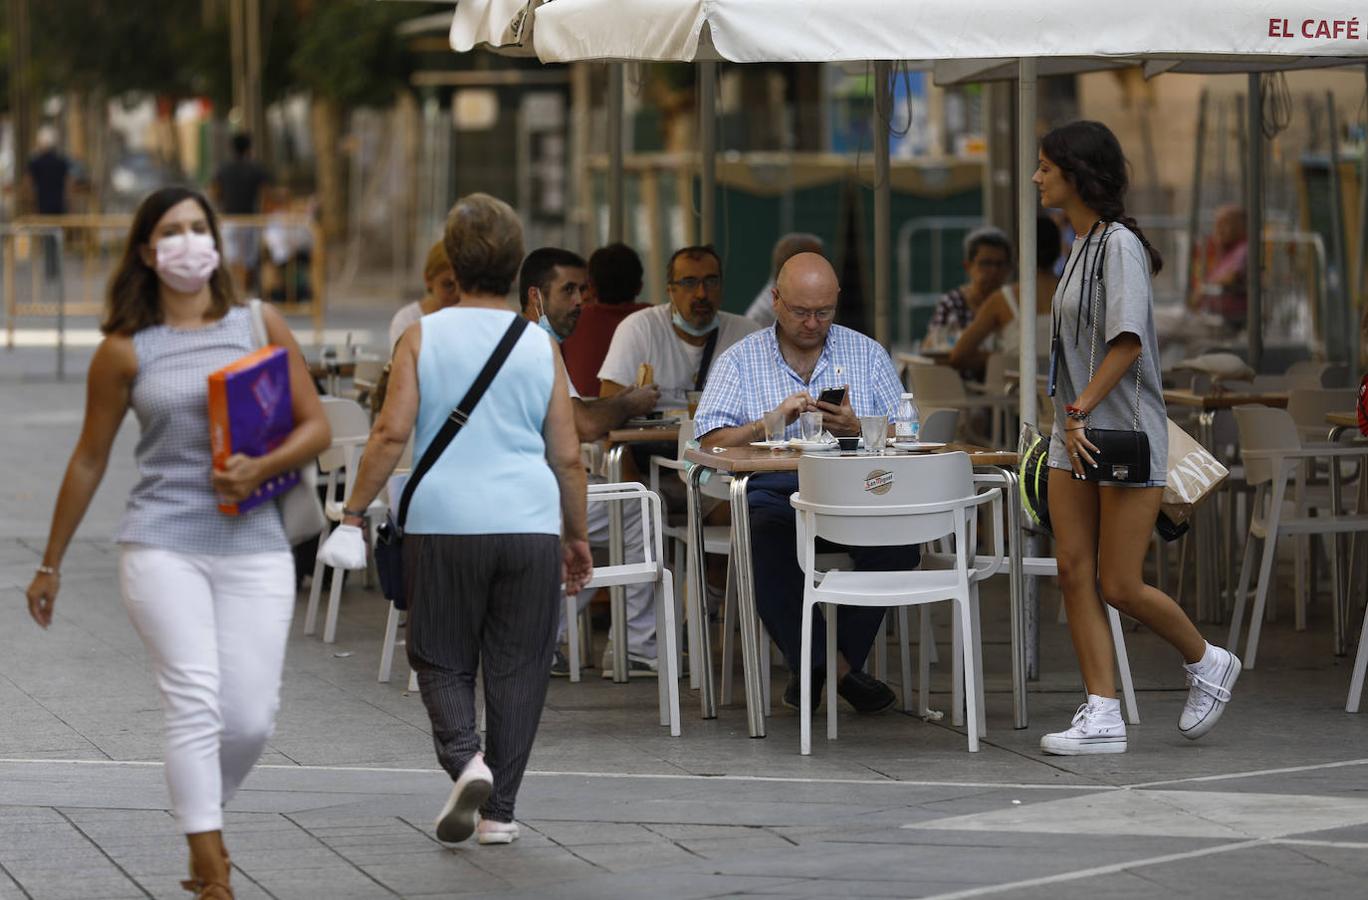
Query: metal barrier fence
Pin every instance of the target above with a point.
(57, 266)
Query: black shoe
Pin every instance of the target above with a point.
(560, 664)
(793, 692)
(866, 693)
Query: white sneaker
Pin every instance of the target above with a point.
(1208, 693)
(491, 832)
(1095, 729)
(461, 813)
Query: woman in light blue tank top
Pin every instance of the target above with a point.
(211, 595)
(493, 527)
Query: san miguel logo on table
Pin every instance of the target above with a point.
(879, 481)
(250, 412)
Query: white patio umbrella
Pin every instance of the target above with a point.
(1041, 32)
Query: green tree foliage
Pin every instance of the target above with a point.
(347, 51)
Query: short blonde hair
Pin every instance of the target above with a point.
(484, 242)
(437, 261)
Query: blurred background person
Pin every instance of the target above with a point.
(987, 263)
(48, 180)
(237, 190)
(761, 310)
(610, 295)
(439, 292)
(1219, 285)
(1000, 313)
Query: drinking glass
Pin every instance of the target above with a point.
(693, 397)
(774, 426)
(874, 430)
(810, 425)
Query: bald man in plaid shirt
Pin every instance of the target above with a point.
(786, 368)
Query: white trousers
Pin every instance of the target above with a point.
(215, 629)
(639, 598)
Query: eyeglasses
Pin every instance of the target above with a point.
(709, 282)
(825, 314)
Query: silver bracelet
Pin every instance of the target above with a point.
(49, 570)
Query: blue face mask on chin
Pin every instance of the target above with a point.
(545, 324)
(690, 329)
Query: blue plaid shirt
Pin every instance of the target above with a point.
(752, 377)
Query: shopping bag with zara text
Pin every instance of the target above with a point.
(1193, 475)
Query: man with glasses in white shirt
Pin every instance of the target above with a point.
(680, 339)
(786, 368)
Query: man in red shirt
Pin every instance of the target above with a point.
(616, 276)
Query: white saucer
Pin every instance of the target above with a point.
(917, 446)
(814, 446)
(772, 445)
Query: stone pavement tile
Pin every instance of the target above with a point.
(1179, 813)
(656, 885)
(1118, 886)
(528, 866)
(573, 834)
(442, 870)
(1264, 871)
(1348, 861)
(634, 857)
(911, 885)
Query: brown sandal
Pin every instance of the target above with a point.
(208, 890)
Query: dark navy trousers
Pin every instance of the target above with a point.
(779, 579)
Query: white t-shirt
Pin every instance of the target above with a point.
(406, 316)
(647, 336)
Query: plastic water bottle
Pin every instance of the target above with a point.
(907, 422)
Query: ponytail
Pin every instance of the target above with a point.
(1156, 261)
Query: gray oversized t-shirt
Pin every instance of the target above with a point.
(1123, 302)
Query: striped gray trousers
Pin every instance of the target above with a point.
(490, 602)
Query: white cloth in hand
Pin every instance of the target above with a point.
(345, 548)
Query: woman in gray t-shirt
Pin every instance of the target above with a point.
(1105, 375)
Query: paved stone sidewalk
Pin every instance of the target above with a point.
(1274, 803)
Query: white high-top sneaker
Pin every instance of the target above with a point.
(1097, 728)
(1209, 684)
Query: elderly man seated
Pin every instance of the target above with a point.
(786, 368)
(550, 288)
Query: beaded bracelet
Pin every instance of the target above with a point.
(1077, 413)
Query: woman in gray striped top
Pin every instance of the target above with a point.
(211, 595)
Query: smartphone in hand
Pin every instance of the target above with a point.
(834, 396)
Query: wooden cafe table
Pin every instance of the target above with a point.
(743, 462)
(1209, 607)
(618, 442)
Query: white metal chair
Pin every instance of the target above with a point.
(651, 570)
(939, 425)
(350, 430)
(1274, 453)
(941, 386)
(887, 502)
(716, 541)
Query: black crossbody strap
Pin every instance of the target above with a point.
(461, 414)
(706, 362)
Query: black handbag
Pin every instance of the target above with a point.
(389, 542)
(1121, 455)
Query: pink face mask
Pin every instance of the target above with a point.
(186, 261)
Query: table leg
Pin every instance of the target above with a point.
(1340, 607)
(745, 605)
(1016, 580)
(617, 596)
(1205, 536)
(700, 636)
